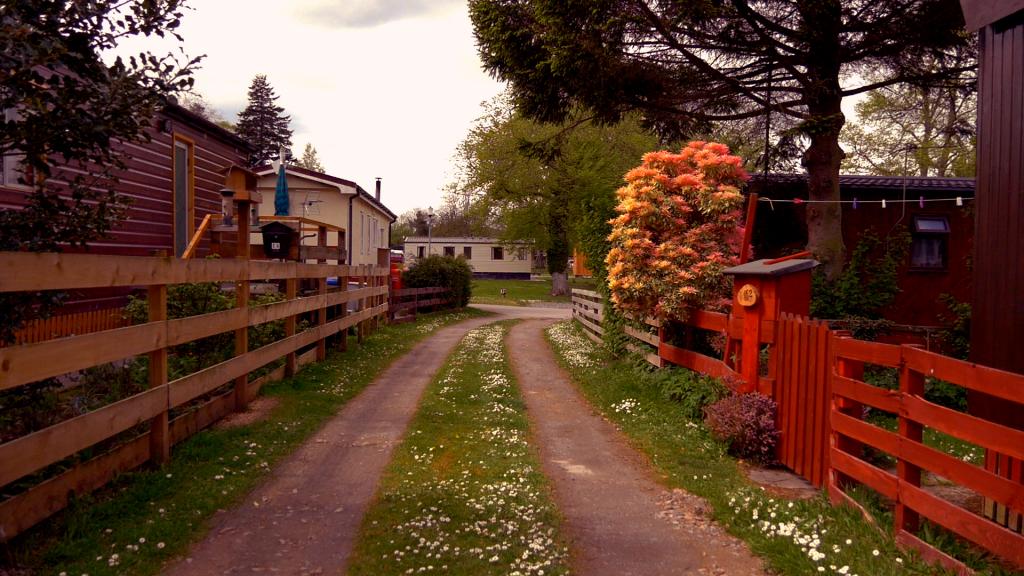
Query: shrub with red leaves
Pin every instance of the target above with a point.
(746, 424)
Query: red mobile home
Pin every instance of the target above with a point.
(941, 229)
(172, 181)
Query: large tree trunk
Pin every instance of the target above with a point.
(822, 158)
(825, 221)
(559, 284)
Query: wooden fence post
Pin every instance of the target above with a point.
(911, 384)
(291, 286)
(361, 326)
(853, 370)
(321, 285)
(343, 312)
(242, 301)
(159, 432)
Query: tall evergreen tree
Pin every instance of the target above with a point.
(263, 123)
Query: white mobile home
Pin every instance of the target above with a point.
(489, 257)
(343, 203)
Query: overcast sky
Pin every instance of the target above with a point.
(380, 87)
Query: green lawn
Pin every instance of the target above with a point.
(146, 517)
(521, 292)
(803, 537)
(464, 494)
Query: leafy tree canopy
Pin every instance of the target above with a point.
(65, 104)
(310, 159)
(923, 130)
(263, 123)
(687, 65)
(552, 184)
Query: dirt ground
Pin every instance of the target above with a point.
(305, 517)
(621, 521)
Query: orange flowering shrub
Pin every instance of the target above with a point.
(677, 229)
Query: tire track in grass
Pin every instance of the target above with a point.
(464, 493)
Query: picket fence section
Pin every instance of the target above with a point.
(61, 325)
(815, 376)
(22, 365)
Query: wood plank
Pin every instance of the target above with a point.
(931, 554)
(871, 476)
(198, 418)
(887, 400)
(975, 430)
(26, 271)
(320, 253)
(21, 512)
(641, 335)
(993, 537)
(35, 451)
(198, 383)
(596, 328)
(707, 320)
(31, 362)
(879, 438)
(870, 352)
(696, 362)
(998, 383)
(802, 432)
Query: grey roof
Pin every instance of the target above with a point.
(860, 181)
(763, 268)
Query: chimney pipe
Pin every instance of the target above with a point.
(378, 189)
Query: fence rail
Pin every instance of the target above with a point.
(850, 433)
(411, 300)
(24, 364)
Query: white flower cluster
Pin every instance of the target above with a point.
(627, 406)
(780, 519)
(501, 511)
(577, 350)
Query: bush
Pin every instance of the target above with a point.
(692, 390)
(746, 424)
(443, 271)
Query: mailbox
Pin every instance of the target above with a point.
(277, 239)
(762, 291)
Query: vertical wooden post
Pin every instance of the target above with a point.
(291, 286)
(343, 312)
(911, 384)
(321, 283)
(242, 301)
(159, 431)
(361, 326)
(853, 370)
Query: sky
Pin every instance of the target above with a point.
(382, 88)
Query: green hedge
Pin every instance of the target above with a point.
(443, 271)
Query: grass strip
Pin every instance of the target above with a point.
(521, 292)
(147, 517)
(794, 537)
(464, 493)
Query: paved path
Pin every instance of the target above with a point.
(619, 519)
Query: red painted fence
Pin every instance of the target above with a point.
(815, 376)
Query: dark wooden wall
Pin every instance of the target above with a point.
(147, 183)
(997, 327)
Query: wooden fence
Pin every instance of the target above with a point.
(410, 300)
(814, 374)
(61, 325)
(24, 364)
(850, 433)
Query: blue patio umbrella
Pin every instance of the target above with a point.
(281, 193)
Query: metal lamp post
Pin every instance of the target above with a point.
(430, 224)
